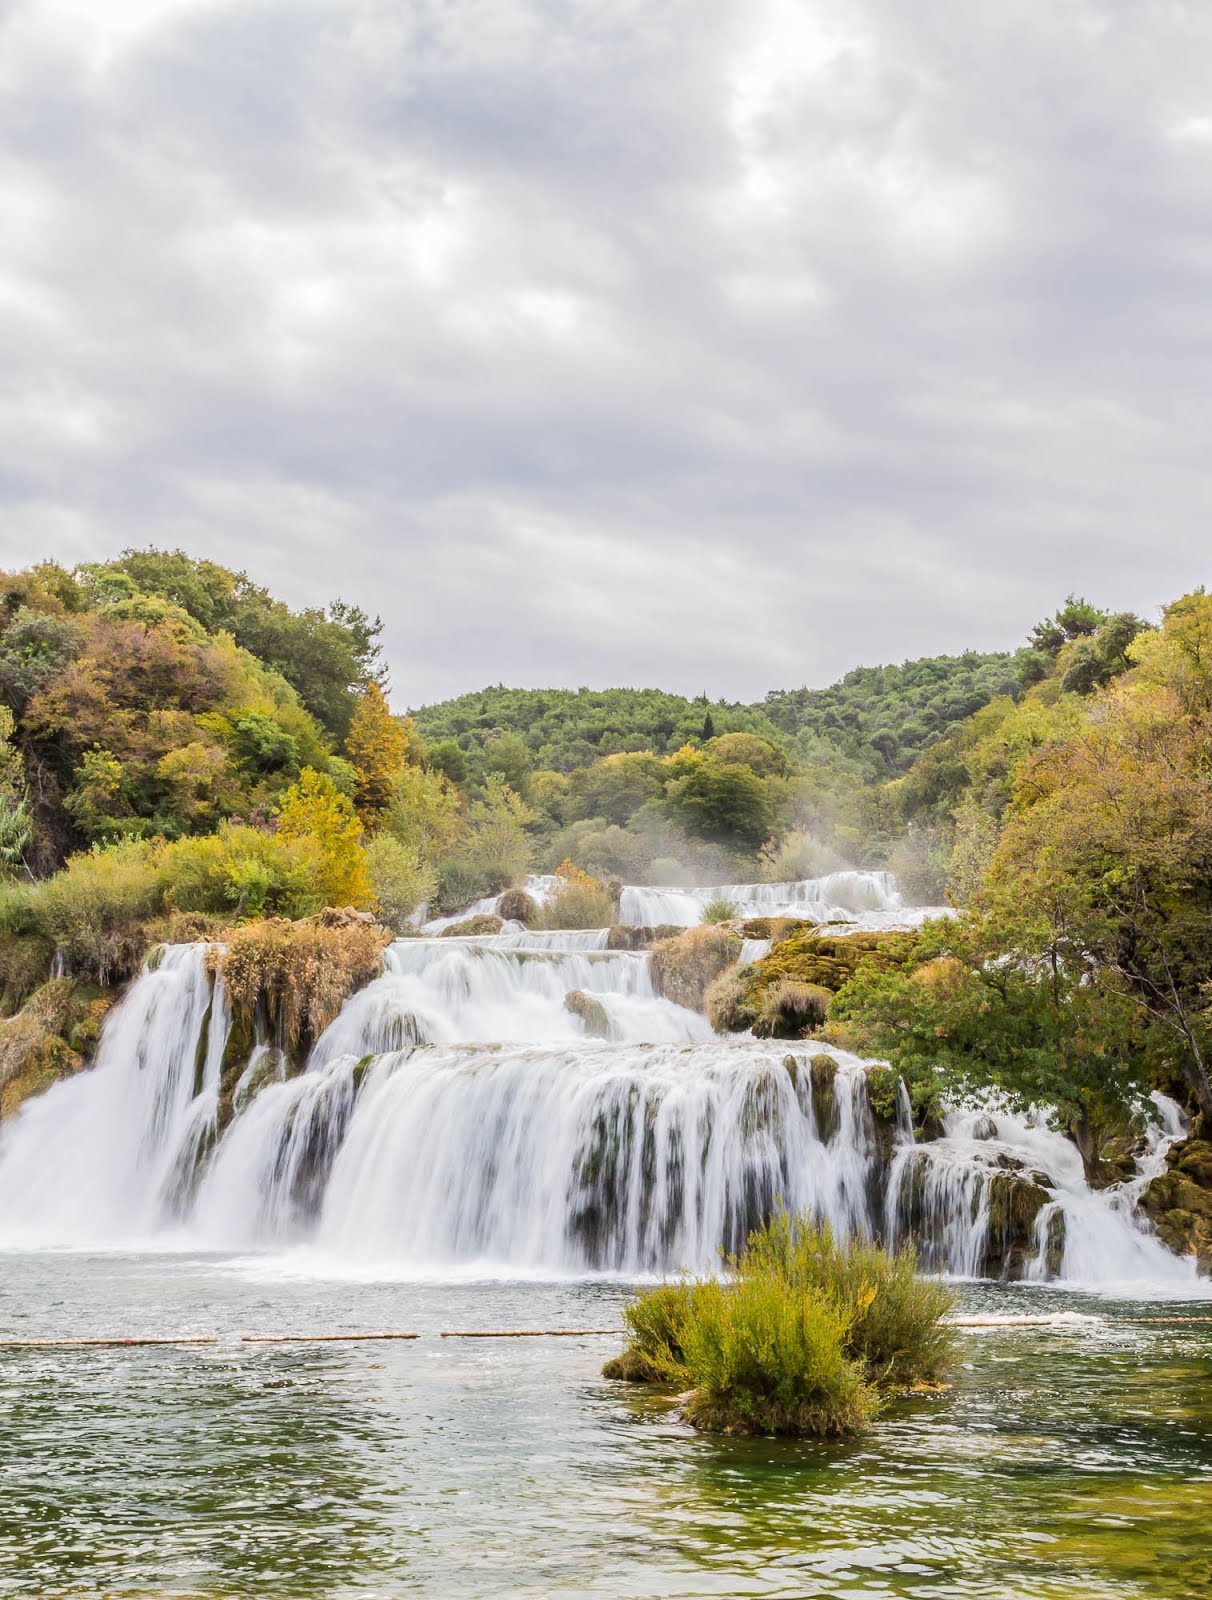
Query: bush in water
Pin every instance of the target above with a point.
(801, 1337)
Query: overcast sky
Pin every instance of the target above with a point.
(708, 345)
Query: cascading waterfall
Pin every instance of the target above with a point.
(527, 1100)
(865, 899)
(113, 1153)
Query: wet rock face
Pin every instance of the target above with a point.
(1179, 1202)
(591, 1012)
(1015, 1203)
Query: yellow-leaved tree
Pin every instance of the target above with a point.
(378, 747)
(315, 811)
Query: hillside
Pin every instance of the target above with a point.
(875, 721)
(564, 729)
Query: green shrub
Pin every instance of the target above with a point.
(242, 872)
(719, 909)
(895, 1326)
(800, 1338)
(766, 1359)
(401, 880)
(95, 912)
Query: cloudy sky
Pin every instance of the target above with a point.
(681, 342)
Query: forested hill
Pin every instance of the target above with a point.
(877, 719)
(564, 729)
(884, 717)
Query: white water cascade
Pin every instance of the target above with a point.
(527, 1102)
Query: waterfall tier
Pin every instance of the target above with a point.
(527, 1100)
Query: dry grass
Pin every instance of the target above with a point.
(299, 974)
(684, 967)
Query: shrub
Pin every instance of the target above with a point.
(727, 1003)
(683, 967)
(579, 902)
(297, 974)
(400, 879)
(95, 912)
(243, 872)
(895, 1327)
(798, 856)
(765, 1359)
(789, 1009)
(801, 1338)
(719, 909)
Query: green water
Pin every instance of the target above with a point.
(1071, 1461)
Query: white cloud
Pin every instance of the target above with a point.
(602, 342)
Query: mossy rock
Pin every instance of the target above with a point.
(515, 905)
(631, 1367)
(1179, 1202)
(1015, 1203)
(823, 961)
(471, 927)
(591, 1012)
(53, 1036)
(823, 1073)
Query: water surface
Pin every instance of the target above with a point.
(1072, 1462)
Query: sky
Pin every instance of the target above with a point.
(711, 346)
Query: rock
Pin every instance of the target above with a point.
(1015, 1203)
(823, 1071)
(1179, 1201)
(486, 922)
(623, 936)
(984, 1128)
(591, 1012)
(515, 905)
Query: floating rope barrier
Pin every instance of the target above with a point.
(319, 1338)
(534, 1333)
(1059, 1320)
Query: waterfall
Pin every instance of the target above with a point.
(867, 899)
(112, 1154)
(527, 1100)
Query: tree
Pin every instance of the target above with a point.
(314, 810)
(720, 800)
(377, 747)
(1116, 821)
(1011, 1002)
